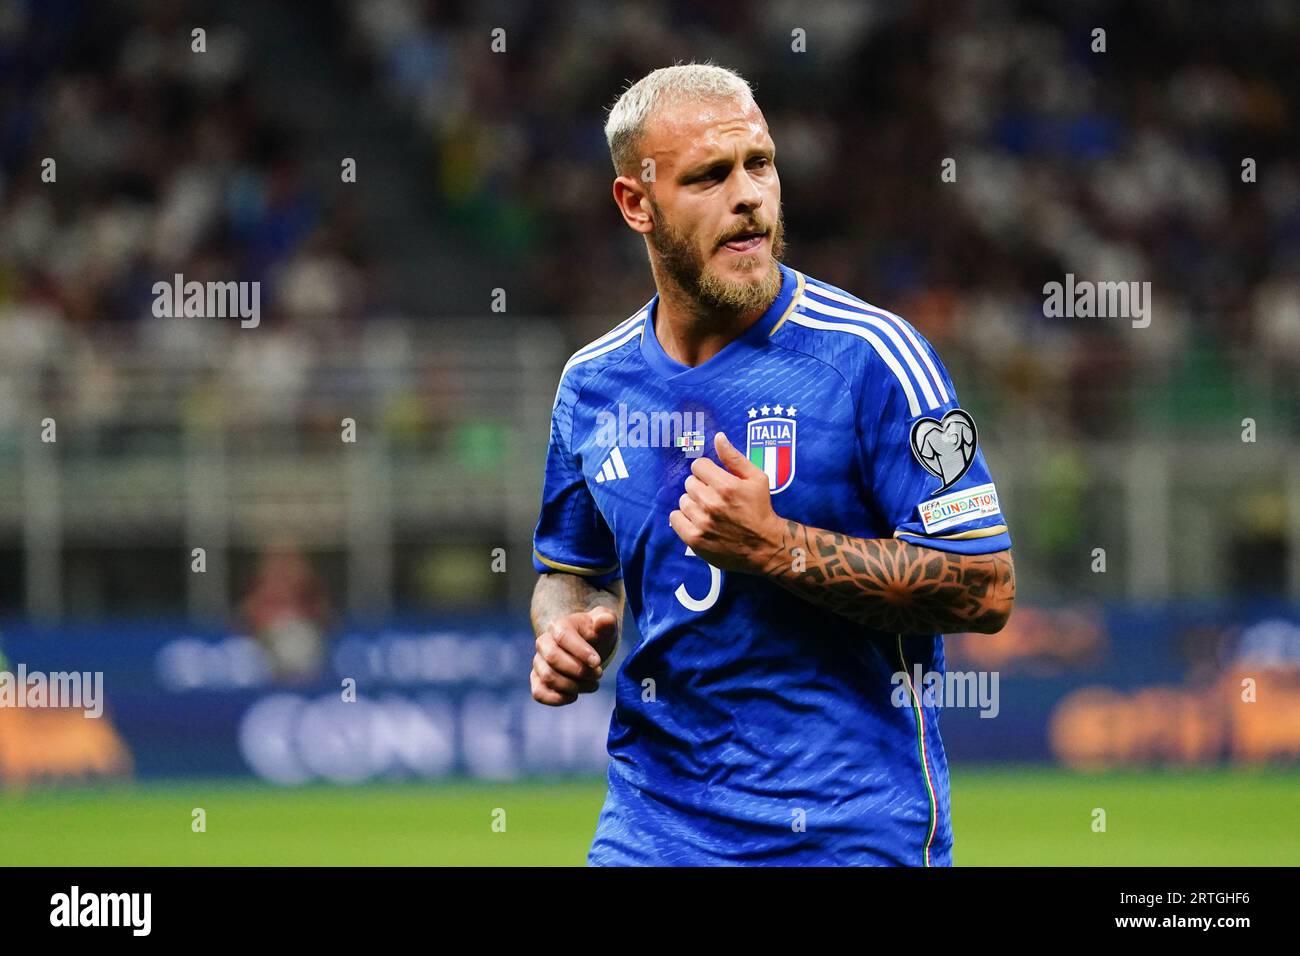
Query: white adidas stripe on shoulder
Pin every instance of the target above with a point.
(620, 335)
(884, 315)
(612, 333)
(606, 344)
(881, 348)
(891, 332)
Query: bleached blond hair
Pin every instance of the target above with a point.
(667, 85)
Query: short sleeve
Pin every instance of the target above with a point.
(571, 535)
(922, 457)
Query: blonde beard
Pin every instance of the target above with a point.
(739, 297)
(679, 259)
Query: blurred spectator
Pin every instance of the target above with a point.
(287, 610)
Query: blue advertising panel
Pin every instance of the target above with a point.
(1085, 686)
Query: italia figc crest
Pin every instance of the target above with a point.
(770, 443)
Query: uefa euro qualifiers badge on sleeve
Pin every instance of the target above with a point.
(946, 448)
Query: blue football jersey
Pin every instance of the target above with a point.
(750, 726)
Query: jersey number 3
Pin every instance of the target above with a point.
(710, 599)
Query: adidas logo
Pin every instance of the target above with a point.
(613, 469)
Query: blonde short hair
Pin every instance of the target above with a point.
(670, 84)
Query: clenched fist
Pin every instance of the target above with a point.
(725, 515)
(572, 652)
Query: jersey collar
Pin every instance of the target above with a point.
(752, 339)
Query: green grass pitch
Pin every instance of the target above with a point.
(1004, 816)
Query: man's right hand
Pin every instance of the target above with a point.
(569, 654)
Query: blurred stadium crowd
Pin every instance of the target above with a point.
(1125, 164)
(1122, 165)
(165, 163)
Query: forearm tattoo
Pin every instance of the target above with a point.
(559, 594)
(893, 586)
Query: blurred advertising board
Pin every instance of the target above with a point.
(404, 701)
(1087, 686)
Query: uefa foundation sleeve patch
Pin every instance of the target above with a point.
(956, 508)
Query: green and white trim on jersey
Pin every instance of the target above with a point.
(919, 714)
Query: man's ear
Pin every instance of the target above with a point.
(631, 199)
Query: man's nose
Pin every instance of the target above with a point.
(746, 195)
